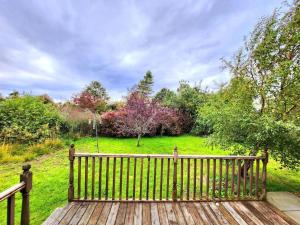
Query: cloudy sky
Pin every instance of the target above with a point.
(58, 47)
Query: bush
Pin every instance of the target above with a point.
(27, 119)
(77, 121)
(169, 122)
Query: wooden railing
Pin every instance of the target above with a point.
(24, 187)
(139, 177)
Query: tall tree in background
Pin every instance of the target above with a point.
(145, 86)
(259, 109)
(94, 98)
(96, 89)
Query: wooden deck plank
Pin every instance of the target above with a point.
(68, 217)
(85, 218)
(146, 214)
(188, 217)
(52, 218)
(210, 214)
(257, 213)
(234, 214)
(227, 215)
(129, 214)
(138, 214)
(202, 214)
(96, 214)
(104, 214)
(246, 214)
(178, 213)
(61, 215)
(171, 214)
(194, 213)
(80, 212)
(165, 213)
(121, 214)
(154, 214)
(269, 213)
(218, 213)
(113, 214)
(163, 218)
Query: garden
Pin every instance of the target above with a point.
(255, 113)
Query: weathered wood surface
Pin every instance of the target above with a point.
(160, 213)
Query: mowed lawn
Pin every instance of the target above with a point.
(50, 172)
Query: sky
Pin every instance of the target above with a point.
(58, 47)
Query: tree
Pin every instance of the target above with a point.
(96, 89)
(259, 108)
(14, 94)
(87, 101)
(166, 97)
(141, 115)
(146, 84)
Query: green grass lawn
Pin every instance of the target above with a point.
(50, 172)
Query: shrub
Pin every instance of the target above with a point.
(77, 121)
(27, 119)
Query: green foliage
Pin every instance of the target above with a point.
(96, 89)
(187, 98)
(27, 119)
(146, 84)
(259, 109)
(165, 96)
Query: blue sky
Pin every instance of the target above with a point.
(58, 47)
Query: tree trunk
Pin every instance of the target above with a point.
(252, 153)
(138, 140)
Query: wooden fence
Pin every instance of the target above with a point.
(24, 187)
(139, 177)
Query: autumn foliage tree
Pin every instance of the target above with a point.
(142, 115)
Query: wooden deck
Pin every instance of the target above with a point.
(183, 213)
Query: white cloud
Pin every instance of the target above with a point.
(59, 47)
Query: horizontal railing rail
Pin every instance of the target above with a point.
(24, 187)
(149, 177)
(79, 154)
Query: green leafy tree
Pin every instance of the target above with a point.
(166, 97)
(259, 109)
(145, 86)
(96, 89)
(189, 98)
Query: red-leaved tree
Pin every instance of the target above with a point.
(141, 115)
(87, 101)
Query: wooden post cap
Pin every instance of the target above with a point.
(175, 154)
(26, 167)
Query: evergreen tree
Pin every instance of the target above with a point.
(96, 89)
(145, 85)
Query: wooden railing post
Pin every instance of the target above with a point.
(11, 210)
(26, 177)
(174, 190)
(264, 175)
(71, 175)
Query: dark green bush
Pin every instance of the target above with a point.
(28, 119)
